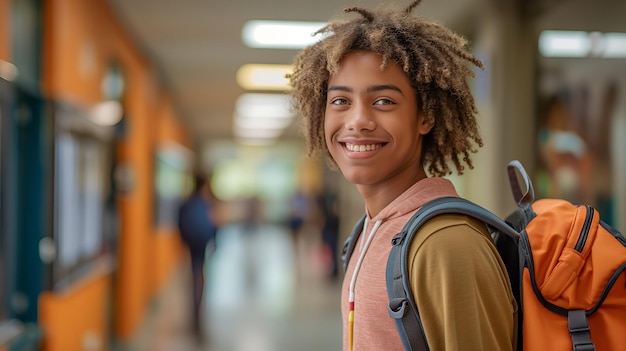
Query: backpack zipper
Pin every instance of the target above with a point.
(619, 236)
(582, 239)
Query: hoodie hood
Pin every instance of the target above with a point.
(414, 197)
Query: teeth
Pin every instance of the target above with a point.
(362, 148)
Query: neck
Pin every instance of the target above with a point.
(378, 196)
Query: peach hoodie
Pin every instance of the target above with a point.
(373, 328)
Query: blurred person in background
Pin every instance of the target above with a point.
(309, 221)
(252, 225)
(330, 229)
(566, 153)
(253, 214)
(575, 148)
(299, 215)
(299, 207)
(198, 225)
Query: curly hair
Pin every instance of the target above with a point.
(435, 62)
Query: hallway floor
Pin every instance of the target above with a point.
(263, 293)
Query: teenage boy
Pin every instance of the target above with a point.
(385, 96)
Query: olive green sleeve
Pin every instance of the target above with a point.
(461, 287)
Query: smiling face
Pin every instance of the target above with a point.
(372, 126)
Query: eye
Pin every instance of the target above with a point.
(384, 102)
(339, 101)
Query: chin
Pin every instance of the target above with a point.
(357, 178)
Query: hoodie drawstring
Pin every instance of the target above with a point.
(353, 280)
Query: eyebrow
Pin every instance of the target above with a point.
(369, 89)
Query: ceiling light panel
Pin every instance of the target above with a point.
(264, 77)
(257, 133)
(614, 45)
(261, 123)
(554, 43)
(280, 34)
(264, 106)
(564, 43)
(261, 116)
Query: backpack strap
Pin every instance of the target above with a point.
(402, 307)
(350, 243)
(524, 200)
(578, 326)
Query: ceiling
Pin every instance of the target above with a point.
(197, 46)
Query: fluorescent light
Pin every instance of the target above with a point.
(251, 136)
(261, 133)
(564, 43)
(8, 71)
(614, 45)
(264, 77)
(261, 123)
(554, 43)
(107, 113)
(263, 106)
(261, 116)
(280, 34)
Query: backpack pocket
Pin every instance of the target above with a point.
(570, 243)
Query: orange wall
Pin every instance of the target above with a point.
(136, 246)
(82, 312)
(80, 38)
(5, 32)
(169, 126)
(168, 246)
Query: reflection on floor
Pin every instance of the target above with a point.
(260, 296)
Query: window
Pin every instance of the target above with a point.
(82, 188)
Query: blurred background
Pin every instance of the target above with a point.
(109, 107)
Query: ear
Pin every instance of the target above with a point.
(423, 124)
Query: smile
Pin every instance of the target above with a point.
(362, 148)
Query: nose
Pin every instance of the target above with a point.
(360, 118)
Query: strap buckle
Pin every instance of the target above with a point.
(397, 308)
(579, 331)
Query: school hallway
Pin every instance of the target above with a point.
(256, 298)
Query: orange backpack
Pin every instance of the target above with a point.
(567, 270)
(573, 281)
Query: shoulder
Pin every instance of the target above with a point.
(451, 227)
(451, 239)
(454, 270)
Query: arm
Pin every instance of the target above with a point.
(461, 287)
